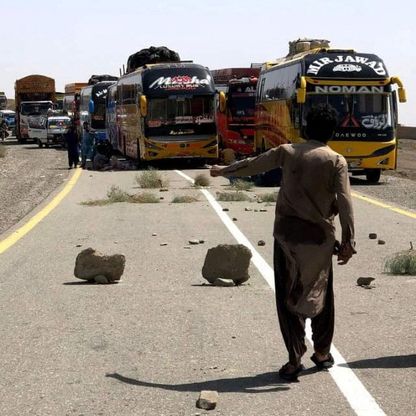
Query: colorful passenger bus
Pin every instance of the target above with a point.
(356, 85)
(236, 121)
(93, 105)
(167, 110)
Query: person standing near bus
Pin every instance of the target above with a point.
(87, 145)
(315, 188)
(72, 146)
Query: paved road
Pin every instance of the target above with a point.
(148, 345)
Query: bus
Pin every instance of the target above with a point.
(111, 117)
(3, 101)
(236, 121)
(92, 106)
(357, 85)
(167, 110)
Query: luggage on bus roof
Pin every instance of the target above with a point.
(94, 79)
(152, 55)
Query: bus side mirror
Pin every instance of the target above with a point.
(223, 101)
(91, 107)
(143, 105)
(401, 91)
(402, 95)
(301, 91)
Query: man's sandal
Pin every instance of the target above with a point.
(291, 376)
(324, 364)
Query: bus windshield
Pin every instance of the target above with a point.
(364, 113)
(35, 109)
(241, 106)
(180, 115)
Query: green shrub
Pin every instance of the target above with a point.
(115, 194)
(202, 180)
(242, 185)
(184, 199)
(271, 197)
(150, 179)
(232, 196)
(145, 198)
(402, 263)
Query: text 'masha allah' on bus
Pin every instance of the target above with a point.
(356, 85)
(162, 111)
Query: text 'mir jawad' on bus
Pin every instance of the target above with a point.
(357, 85)
(164, 111)
(236, 121)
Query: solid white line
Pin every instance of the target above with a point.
(351, 387)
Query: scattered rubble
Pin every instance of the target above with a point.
(365, 282)
(372, 236)
(381, 242)
(91, 265)
(227, 261)
(248, 209)
(193, 242)
(261, 243)
(234, 219)
(225, 209)
(163, 244)
(207, 400)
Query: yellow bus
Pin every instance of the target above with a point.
(356, 84)
(166, 110)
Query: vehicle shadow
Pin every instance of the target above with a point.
(355, 181)
(399, 361)
(260, 383)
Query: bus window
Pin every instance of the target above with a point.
(180, 116)
(368, 111)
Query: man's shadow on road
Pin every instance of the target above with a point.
(399, 361)
(261, 383)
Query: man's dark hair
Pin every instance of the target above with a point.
(321, 122)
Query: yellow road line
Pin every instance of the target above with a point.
(384, 205)
(36, 219)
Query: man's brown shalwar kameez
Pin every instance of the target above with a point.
(315, 188)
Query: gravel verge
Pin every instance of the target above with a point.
(27, 176)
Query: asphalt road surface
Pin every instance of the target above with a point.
(149, 344)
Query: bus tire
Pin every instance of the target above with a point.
(373, 175)
(40, 144)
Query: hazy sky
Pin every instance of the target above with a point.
(70, 40)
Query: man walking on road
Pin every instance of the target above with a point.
(72, 146)
(315, 188)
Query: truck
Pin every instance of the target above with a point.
(34, 97)
(236, 120)
(3, 101)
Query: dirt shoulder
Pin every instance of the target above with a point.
(406, 160)
(27, 176)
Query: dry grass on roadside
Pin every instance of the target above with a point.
(145, 198)
(201, 180)
(241, 185)
(184, 199)
(270, 197)
(232, 196)
(3, 151)
(116, 195)
(151, 179)
(402, 263)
